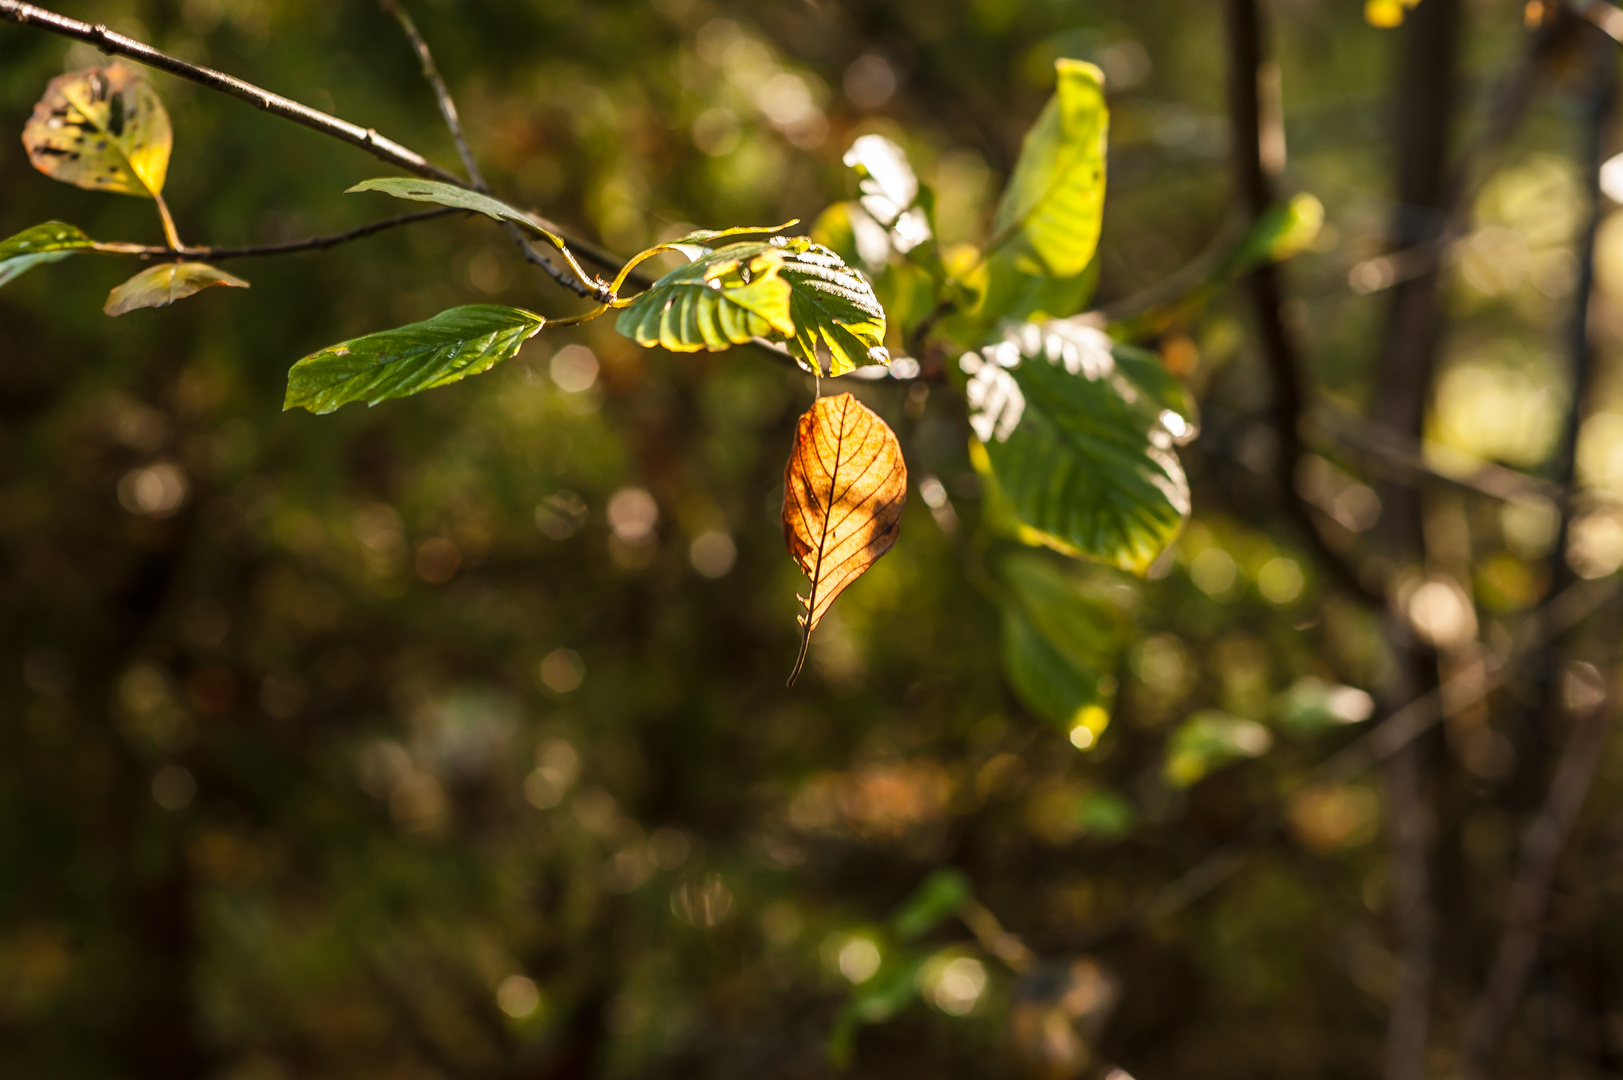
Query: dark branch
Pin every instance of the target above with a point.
(314, 243)
(1254, 190)
(442, 93)
(1530, 892)
(115, 44)
(453, 122)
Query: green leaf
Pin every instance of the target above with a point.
(833, 307)
(104, 129)
(433, 191)
(1284, 231)
(1209, 740)
(1061, 641)
(722, 298)
(939, 898)
(786, 289)
(1054, 203)
(39, 245)
(875, 1001)
(162, 285)
(1076, 436)
(398, 363)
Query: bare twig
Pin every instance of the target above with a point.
(1254, 190)
(442, 93)
(577, 284)
(1530, 891)
(314, 243)
(116, 44)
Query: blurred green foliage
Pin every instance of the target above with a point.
(448, 739)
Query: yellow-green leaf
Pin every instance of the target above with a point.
(39, 245)
(1054, 203)
(787, 289)
(104, 129)
(162, 285)
(721, 299)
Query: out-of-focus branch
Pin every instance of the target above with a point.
(1506, 103)
(1390, 736)
(1256, 153)
(1518, 948)
(442, 93)
(1530, 891)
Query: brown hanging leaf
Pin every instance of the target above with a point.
(843, 492)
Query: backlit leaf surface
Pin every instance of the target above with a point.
(1076, 437)
(397, 363)
(1054, 203)
(162, 285)
(104, 129)
(786, 289)
(723, 298)
(843, 492)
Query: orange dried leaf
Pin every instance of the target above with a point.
(843, 492)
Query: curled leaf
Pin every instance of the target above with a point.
(843, 492)
(104, 129)
(162, 285)
(39, 245)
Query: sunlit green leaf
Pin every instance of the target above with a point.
(938, 898)
(1061, 642)
(39, 245)
(788, 289)
(722, 298)
(104, 129)
(397, 363)
(1209, 740)
(833, 307)
(1054, 203)
(162, 285)
(1078, 436)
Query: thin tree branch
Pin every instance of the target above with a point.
(442, 93)
(1530, 891)
(314, 243)
(593, 290)
(115, 44)
(1254, 190)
